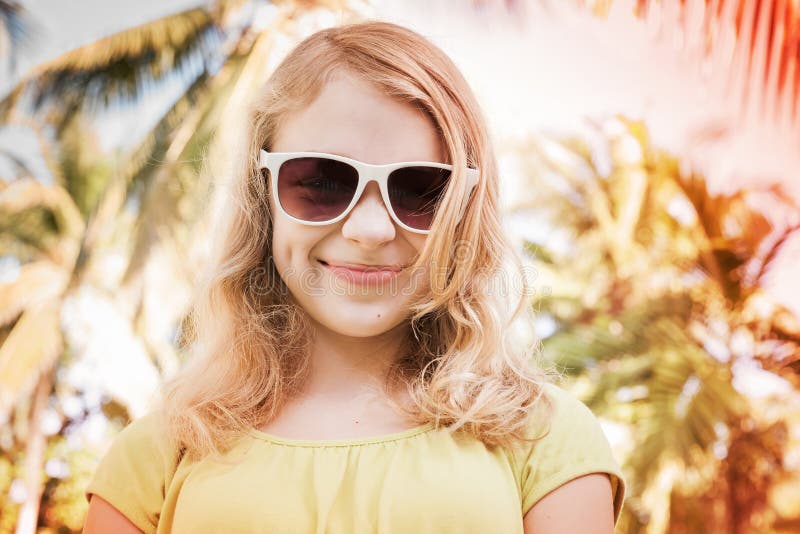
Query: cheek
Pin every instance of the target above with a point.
(292, 244)
(278, 238)
(417, 241)
(279, 253)
(285, 247)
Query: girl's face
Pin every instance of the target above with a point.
(352, 118)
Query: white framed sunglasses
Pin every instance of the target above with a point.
(316, 188)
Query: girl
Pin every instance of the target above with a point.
(352, 369)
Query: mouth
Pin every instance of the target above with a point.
(362, 267)
(360, 274)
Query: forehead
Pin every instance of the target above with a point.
(354, 118)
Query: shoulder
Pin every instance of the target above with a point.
(556, 415)
(571, 444)
(133, 473)
(146, 437)
(568, 410)
(148, 428)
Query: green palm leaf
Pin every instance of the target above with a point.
(123, 67)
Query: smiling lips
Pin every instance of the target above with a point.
(359, 273)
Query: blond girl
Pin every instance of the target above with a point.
(352, 366)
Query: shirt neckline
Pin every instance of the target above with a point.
(384, 438)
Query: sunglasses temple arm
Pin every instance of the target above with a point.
(462, 210)
(472, 175)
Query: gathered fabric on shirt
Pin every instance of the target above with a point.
(416, 481)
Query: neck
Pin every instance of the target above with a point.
(342, 367)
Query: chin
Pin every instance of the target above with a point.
(363, 324)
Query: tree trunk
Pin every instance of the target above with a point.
(35, 446)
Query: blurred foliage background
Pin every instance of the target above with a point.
(651, 283)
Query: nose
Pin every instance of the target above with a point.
(369, 222)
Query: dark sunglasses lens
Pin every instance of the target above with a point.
(316, 189)
(415, 193)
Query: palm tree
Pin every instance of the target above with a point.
(654, 311)
(15, 30)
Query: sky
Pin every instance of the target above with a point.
(67, 24)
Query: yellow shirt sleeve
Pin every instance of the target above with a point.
(575, 446)
(134, 472)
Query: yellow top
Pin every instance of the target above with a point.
(420, 480)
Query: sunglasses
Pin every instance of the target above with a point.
(315, 188)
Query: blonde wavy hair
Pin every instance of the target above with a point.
(247, 340)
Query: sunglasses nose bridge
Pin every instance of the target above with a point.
(373, 174)
(369, 173)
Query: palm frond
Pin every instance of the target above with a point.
(34, 344)
(734, 236)
(168, 183)
(19, 28)
(772, 252)
(43, 216)
(123, 67)
(37, 281)
(754, 44)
